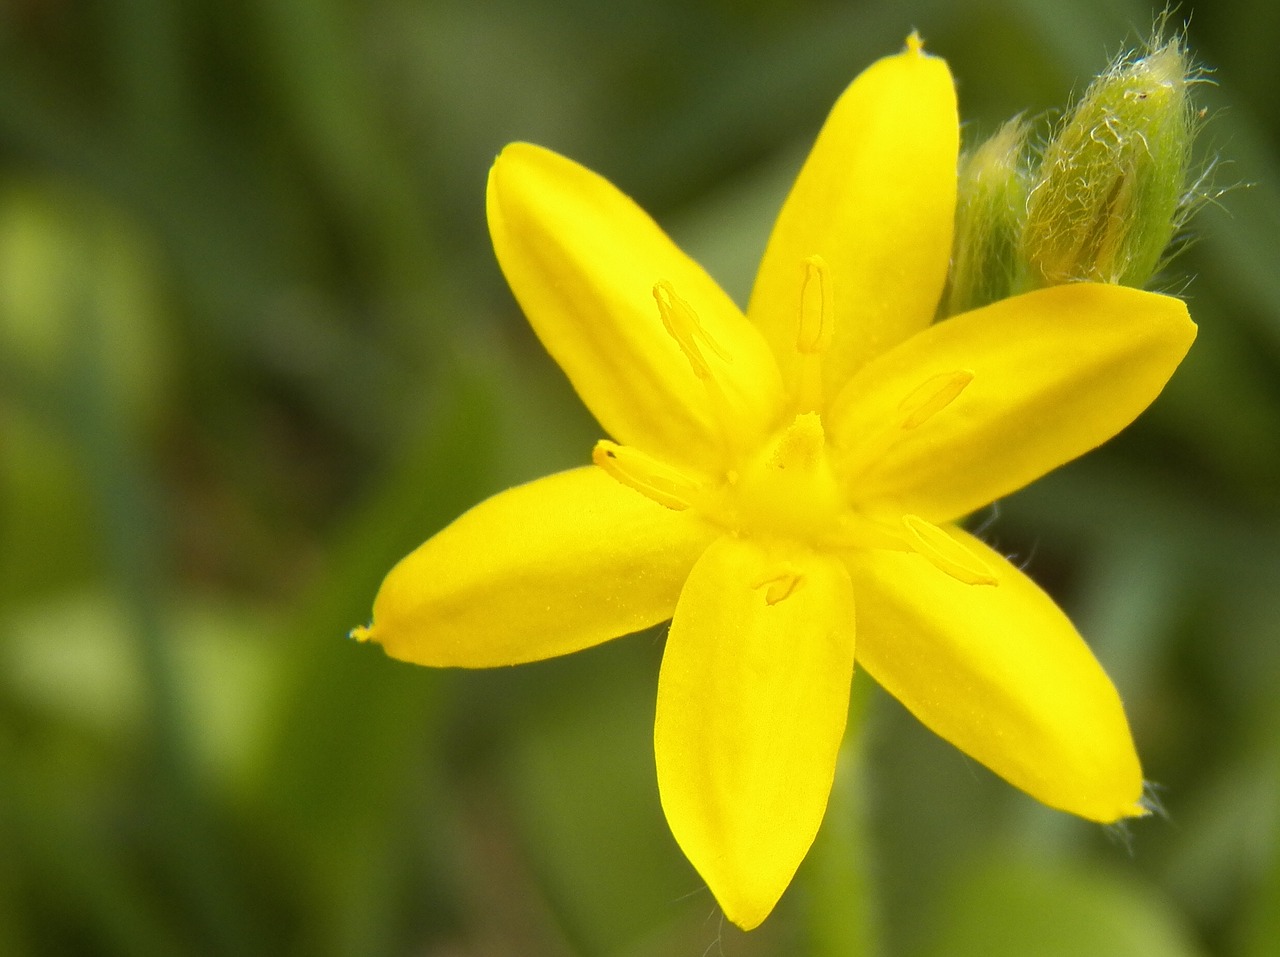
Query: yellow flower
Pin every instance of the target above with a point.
(782, 485)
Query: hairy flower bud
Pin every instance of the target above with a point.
(991, 204)
(1111, 189)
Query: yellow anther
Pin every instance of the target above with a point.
(682, 324)
(947, 554)
(920, 405)
(778, 586)
(651, 478)
(814, 331)
(853, 530)
(817, 307)
(914, 43)
(932, 396)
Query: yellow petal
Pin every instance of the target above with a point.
(752, 701)
(981, 404)
(657, 351)
(875, 201)
(544, 569)
(1001, 674)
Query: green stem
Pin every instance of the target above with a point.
(842, 905)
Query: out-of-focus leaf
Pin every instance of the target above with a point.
(1012, 907)
(58, 246)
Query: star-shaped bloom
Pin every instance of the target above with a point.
(783, 485)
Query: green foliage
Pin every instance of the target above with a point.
(1006, 907)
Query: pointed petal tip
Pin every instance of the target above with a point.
(1113, 809)
(505, 171)
(509, 154)
(514, 149)
(748, 914)
(747, 903)
(1140, 799)
(1138, 809)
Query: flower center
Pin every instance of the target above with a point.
(788, 489)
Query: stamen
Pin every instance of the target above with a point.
(854, 530)
(814, 331)
(651, 478)
(932, 396)
(947, 554)
(682, 324)
(921, 404)
(778, 587)
(817, 307)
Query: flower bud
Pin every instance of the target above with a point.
(1112, 185)
(991, 203)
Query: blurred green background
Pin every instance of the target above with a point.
(254, 347)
